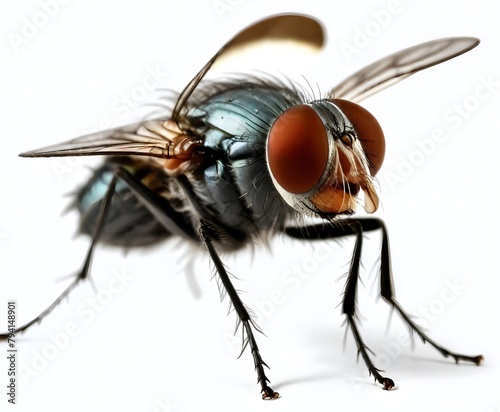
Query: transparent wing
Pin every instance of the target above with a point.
(162, 138)
(398, 66)
(281, 28)
(154, 138)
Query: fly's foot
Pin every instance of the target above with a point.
(268, 393)
(387, 383)
(478, 360)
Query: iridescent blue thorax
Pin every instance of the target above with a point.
(235, 123)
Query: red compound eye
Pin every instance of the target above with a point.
(297, 149)
(368, 130)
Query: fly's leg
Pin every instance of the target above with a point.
(159, 207)
(242, 313)
(343, 228)
(349, 308)
(84, 271)
(387, 292)
(357, 227)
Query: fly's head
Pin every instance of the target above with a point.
(322, 154)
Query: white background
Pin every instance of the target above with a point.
(163, 343)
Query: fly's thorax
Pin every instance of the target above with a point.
(321, 154)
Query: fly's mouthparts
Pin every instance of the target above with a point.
(348, 187)
(371, 197)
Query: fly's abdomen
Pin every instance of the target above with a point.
(128, 222)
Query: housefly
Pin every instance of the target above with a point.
(244, 158)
